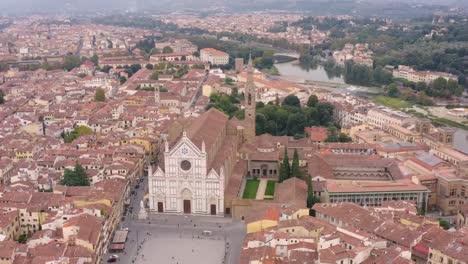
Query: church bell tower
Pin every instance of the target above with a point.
(250, 103)
(157, 96)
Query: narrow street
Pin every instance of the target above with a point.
(199, 90)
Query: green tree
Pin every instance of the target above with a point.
(439, 84)
(228, 81)
(295, 169)
(223, 103)
(167, 49)
(311, 198)
(422, 211)
(459, 91)
(123, 79)
(421, 86)
(284, 169)
(444, 224)
(2, 97)
(325, 113)
(333, 135)
(393, 90)
(76, 133)
(106, 69)
(149, 66)
(292, 100)
(75, 177)
(22, 239)
(344, 138)
(423, 99)
(83, 130)
(155, 76)
(452, 85)
(259, 105)
(296, 123)
(146, 45)
(135, 67)
(235, 96)
(382, 76)
(71, 62)
(100, 95)
(313, 100)
(240, 114)
(261, 124)
(95, 59)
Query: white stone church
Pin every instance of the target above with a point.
(185, 185)
(199, 161)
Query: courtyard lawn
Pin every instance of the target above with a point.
(250, 191)
(270, 190)
(396, 103)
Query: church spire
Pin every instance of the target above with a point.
(250, 64)
(166, 146)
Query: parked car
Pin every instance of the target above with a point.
(113, 258)
(206, 233)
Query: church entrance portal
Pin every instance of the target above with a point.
(213, 209)
(187, 207)
(160, 207)
(187, 198)
(264, 170)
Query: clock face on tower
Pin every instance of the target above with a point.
(185, 165)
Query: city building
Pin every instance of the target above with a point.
(413, 75)
(213, 56)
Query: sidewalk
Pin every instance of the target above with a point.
(261, 189)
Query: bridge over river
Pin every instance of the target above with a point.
(291, 54)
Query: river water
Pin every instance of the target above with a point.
(294, 72)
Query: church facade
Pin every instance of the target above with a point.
(186, 185)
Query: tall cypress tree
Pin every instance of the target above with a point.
(311, 198)
(422, 211)
(295, 170)
(310, 193)
(284, 169)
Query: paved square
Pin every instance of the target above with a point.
(167, 249)
(178, 239)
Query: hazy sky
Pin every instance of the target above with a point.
(54, 6)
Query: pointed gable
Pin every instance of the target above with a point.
(185, 147)
(212, 175)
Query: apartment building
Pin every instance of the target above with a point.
(413, 75)
(381, 117)
(213, 56)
